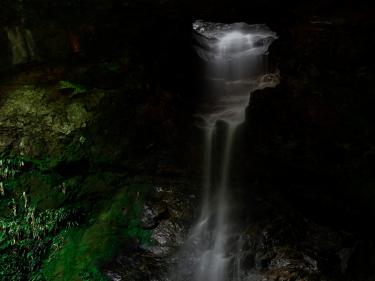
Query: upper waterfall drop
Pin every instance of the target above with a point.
(235, 67)
(236, 39)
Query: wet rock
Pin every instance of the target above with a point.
(168, 215)
(152, 214)
(135, 264)
(167, 236)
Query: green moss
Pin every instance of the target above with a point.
(85, 249)
(47, 188)
(75, 149)
(74, 253)
(97, 186)
(75, 87)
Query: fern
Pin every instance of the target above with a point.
(25, 238)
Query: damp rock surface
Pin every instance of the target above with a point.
(168, 215)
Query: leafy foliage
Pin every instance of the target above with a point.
(25, 238)
(40, 241)
(59, 219)
(9, 167)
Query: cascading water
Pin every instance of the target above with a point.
(236, 60)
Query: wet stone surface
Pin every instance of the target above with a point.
(277, 246)
(167, 215)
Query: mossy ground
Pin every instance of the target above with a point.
(71, 218)
(84, 249)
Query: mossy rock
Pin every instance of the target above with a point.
(82, 251)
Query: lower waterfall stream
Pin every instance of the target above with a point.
(236, 59)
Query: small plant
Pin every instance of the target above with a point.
(75, 87)
(9, 167)
(26, 236)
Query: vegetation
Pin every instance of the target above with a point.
(74, 87)
(84, 249)
(69, 238)
(9, 167)
(26, 236)
(66, 203)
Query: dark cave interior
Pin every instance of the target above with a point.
(98, 111)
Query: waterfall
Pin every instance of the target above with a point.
(236, 59)
(22, 44)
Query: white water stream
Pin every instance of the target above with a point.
(236, 59)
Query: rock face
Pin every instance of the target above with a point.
(168, 214)
(286, 246)
(278, 243)
(34, 119)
